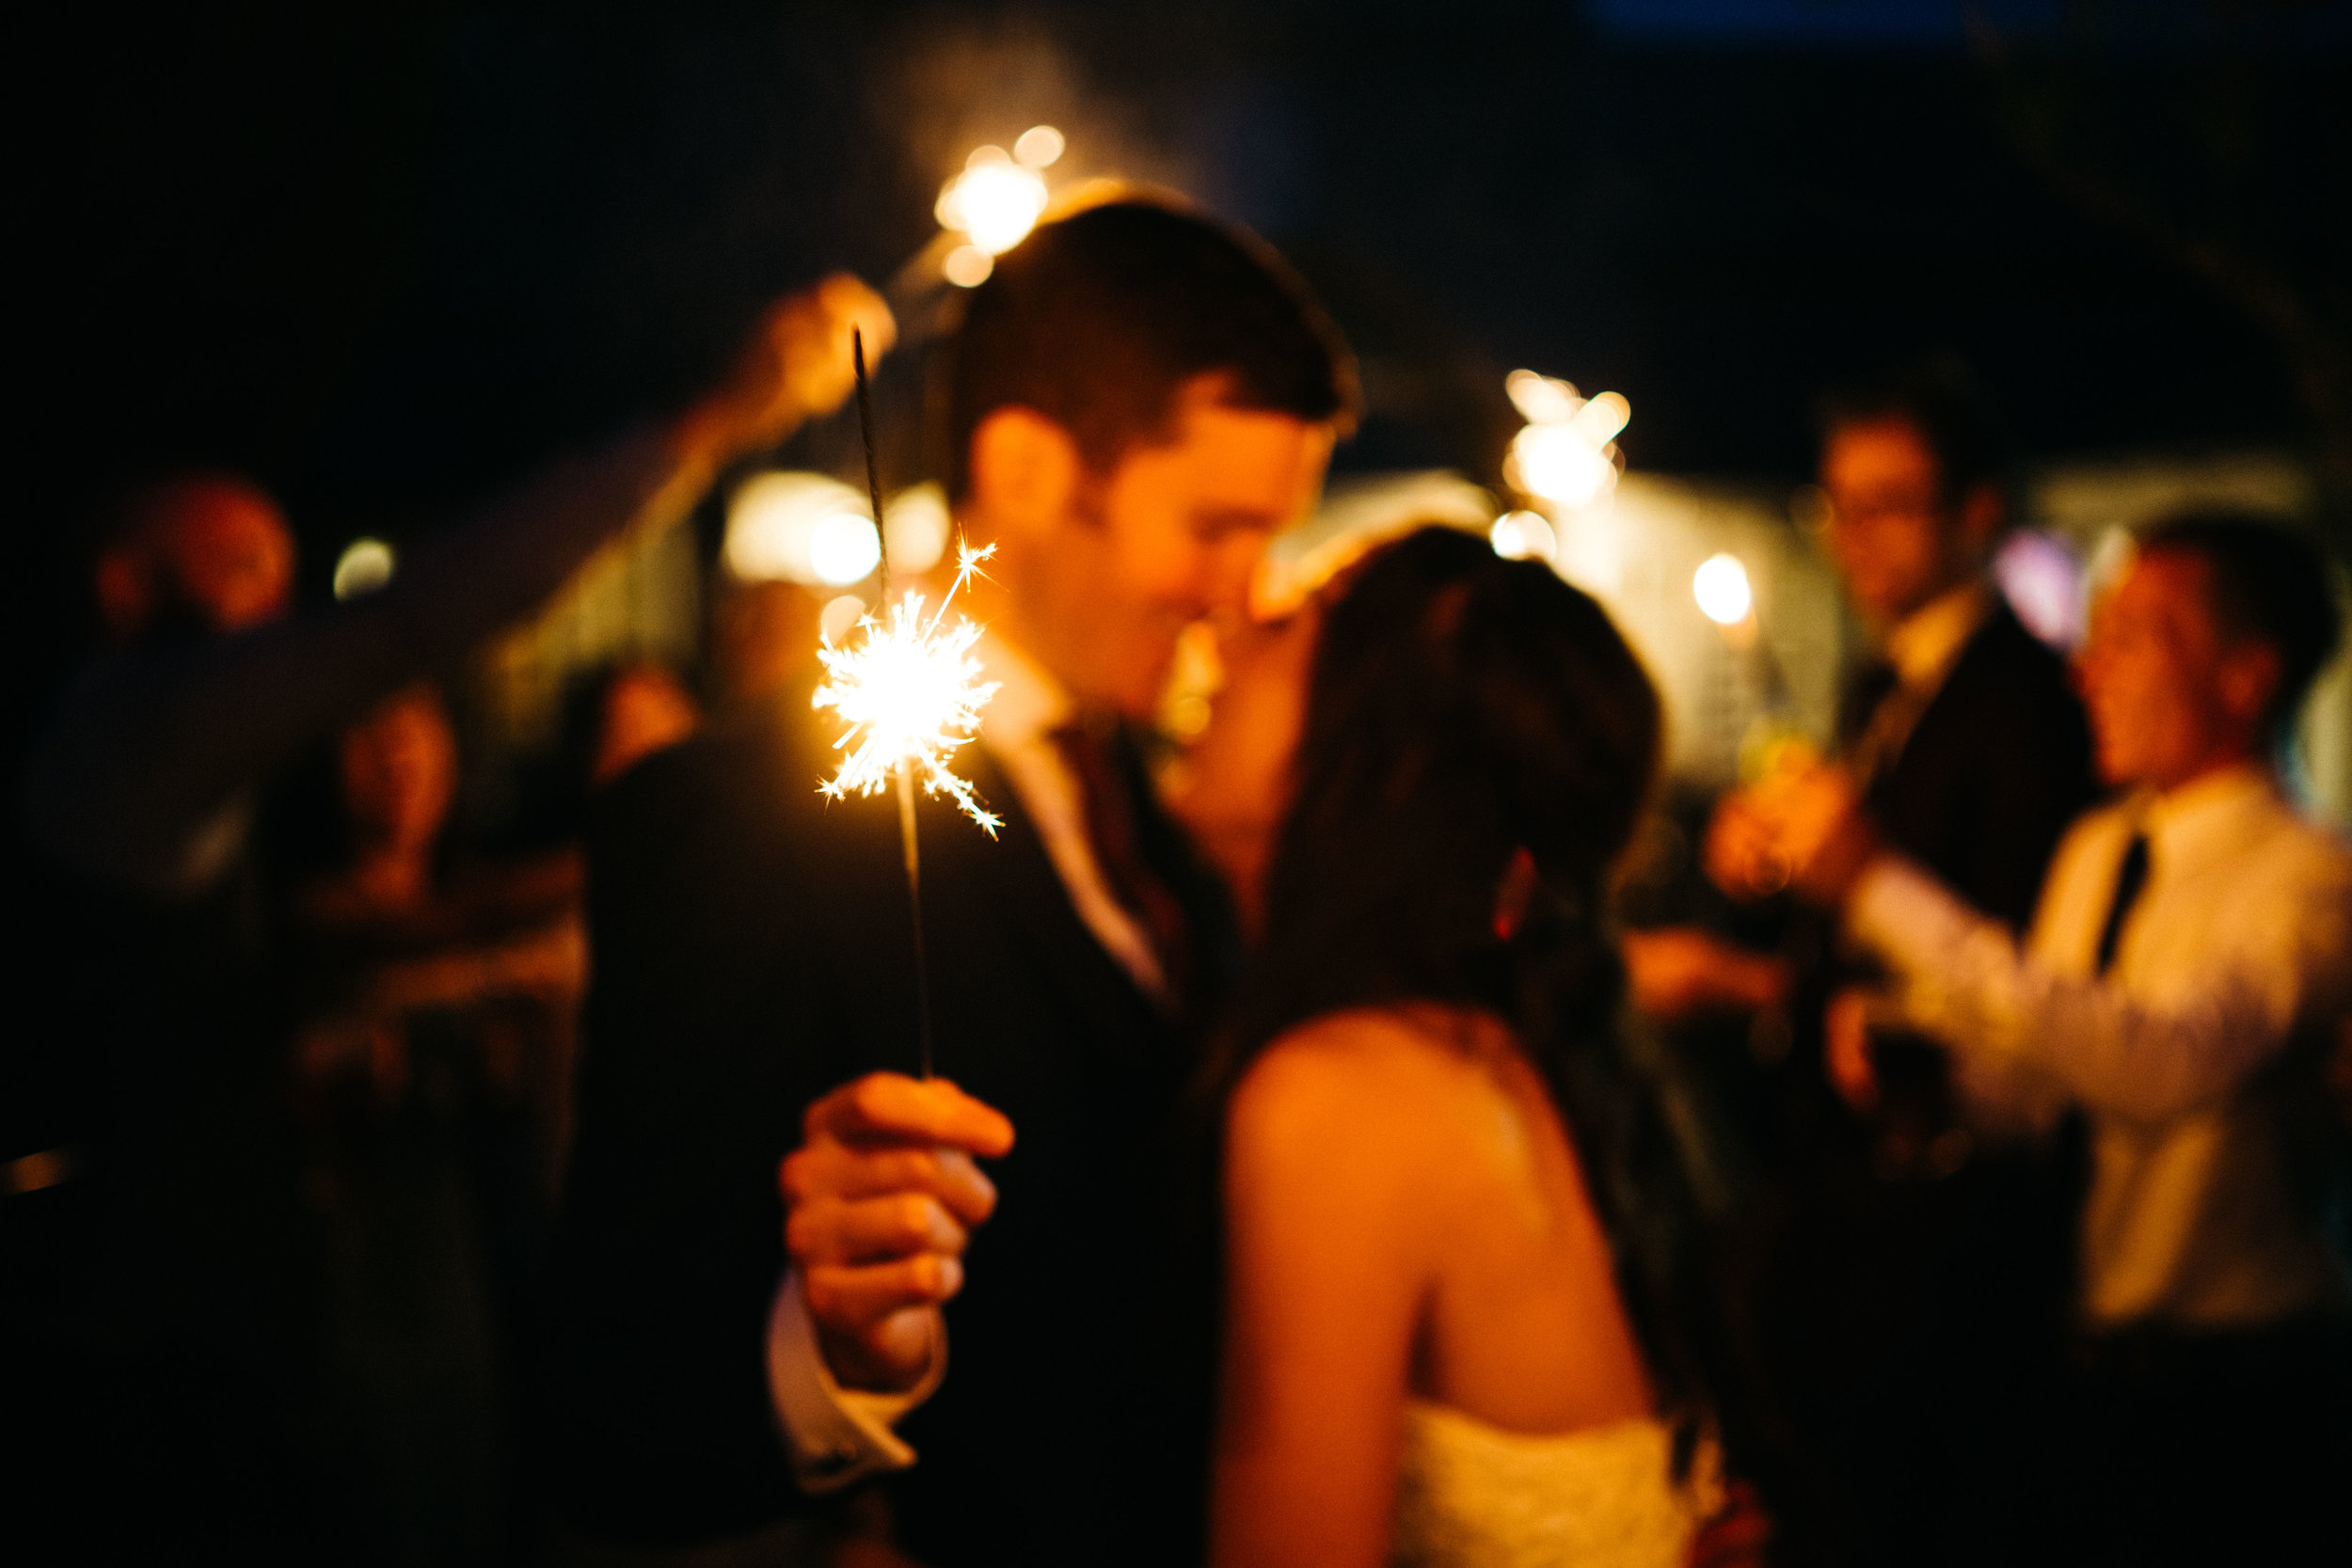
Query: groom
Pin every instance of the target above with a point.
(1138, 397)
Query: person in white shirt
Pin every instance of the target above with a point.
(2188, 962)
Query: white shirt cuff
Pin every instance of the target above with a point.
(835, 1435)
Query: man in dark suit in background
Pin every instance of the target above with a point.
(1916, 1270)
(1135, 399)
(1962, 722)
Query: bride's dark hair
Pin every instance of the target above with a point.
(1479, 744)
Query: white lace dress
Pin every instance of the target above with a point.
(1473, 1495)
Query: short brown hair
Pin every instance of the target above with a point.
(1097, 319)
(2267, 583)
(1940, 398)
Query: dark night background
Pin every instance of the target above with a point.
(384, 258)
(380, 257)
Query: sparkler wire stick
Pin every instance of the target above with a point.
(907, 842)
(911, 694)
(915, 905)
(873, 474)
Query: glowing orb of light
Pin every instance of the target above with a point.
(910, 693)
(1038, 146)
(1542, 399)
(1524, 536)
(1563, 456)
(812, 528)
(1558, 463)
(1720, 587)
(967, 266)
(365, 565)
(1601, 416)
(915, 526)
(844, 549)
(994, 202)
(774, 519)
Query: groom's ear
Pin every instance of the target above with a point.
(1024, 470)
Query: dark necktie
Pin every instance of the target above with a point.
(1874, 718)
(1867, 687)
(2130, 877)
(1110, 824)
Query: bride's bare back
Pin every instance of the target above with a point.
(1406, 1218)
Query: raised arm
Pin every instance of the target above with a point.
(1967, 982)
(146, 754)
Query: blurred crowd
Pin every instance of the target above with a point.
(2006, 1031)
(285, 1146)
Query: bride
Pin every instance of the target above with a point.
(1449, 1336)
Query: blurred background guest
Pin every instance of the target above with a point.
(145, 772)
(195, 553)
(174, 1314)
(762, 636)
(169, 1270)
(645, 709)
(2181, 983)
(431, 1088)
(608, 718)
(1916, 1275)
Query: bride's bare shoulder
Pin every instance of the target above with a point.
(1391, 1077)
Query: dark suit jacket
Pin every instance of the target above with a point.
(752, 950)
(1993, 771)
(1905, 1322)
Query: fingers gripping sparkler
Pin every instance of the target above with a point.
(910, 693)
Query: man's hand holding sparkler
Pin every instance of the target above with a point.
(880, 1201)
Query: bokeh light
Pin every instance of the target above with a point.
(915, 526)
(815, 531)
(844, 548)
(772, 520)
(1541, 399)
(1564, 455)
(1602, 417)
(1524, 536)
(365, 565)
(967, 266)
(1720, 587)
(994, 202)
(1040, 146)
(839, 617)
(1557, 463)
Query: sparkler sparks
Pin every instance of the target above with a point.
(910, 691)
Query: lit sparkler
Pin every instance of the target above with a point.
(911, 693)
(910, 690)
